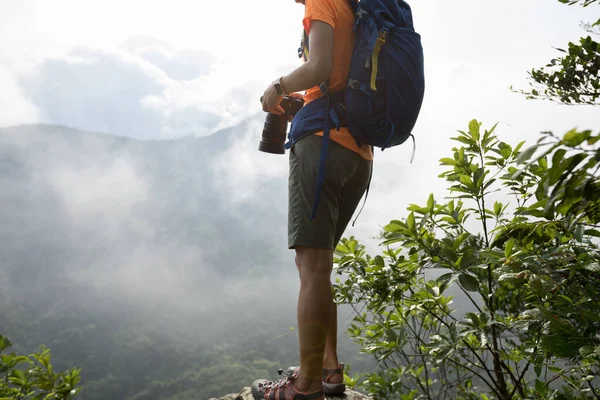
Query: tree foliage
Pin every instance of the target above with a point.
(573, 77)
(584, 3)
(33, 377)
(529, 269)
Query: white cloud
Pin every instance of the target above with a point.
(211, 73)
(14, 106)
(241, 170)
(128, 93)
(65, 62)
(186, 64)
(106, 196)
(474, 51)
(97, 90)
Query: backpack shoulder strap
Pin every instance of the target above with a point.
(303, 49)
(354, 5)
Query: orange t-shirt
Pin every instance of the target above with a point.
(338, 14)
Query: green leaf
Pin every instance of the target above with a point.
(474, 129)
(430, 202)
(505, 150)
(466, 180)
(594, 267)
(540, 386)
(478, 177)
(509, 276)
(417, 209)
(466, 141)
(526, 154)
(468, 282)
(449, 220)
(578, 233)
(446, 280)
(474, 318)
(536, 283)
(557, 157)
(574, 138)
(516, 149)
(508, 247)
(497, 208)
(448, 161)
(410, 221)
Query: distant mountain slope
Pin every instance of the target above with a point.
(139, 261)
(145, 225)
(172, 186)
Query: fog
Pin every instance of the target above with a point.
(184, 239)
(132, 222)
(134, 201)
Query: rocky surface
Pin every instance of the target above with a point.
(246, 394)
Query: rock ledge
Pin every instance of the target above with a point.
(246, 394)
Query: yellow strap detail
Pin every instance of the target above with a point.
(380, 42)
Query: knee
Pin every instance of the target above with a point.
(313, 263)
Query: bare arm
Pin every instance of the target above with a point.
(312, 73)
(320, 62)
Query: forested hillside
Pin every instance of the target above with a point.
(130, 260)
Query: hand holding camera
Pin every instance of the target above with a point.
(276, 124)
(272, 98)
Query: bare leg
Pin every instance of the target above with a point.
(315, 312)
(331, 359)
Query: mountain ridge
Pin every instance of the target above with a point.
(45, 125)
(160, 268)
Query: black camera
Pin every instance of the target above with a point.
(275, 128)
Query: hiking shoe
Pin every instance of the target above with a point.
(282, 389)
(330, 389)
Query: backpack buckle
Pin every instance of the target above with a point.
(382, 35)
(353, 84)
(324, 88)
(362, 14)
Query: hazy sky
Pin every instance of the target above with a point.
(167, 69)
(163, 70)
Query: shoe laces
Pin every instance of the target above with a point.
(287, 374)
(280, 384)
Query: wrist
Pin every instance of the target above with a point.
(285, 92)
(279, 87)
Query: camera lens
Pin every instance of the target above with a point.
(273, 135)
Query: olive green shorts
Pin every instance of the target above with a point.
(346, 179)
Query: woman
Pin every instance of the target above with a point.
(329, 27)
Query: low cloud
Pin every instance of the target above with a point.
(105, 192)
(15, 108)
(183, 65)
(241, 169)
(144, 90)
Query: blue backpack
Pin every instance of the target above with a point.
(385, 88)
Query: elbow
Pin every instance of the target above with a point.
(321, 71)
